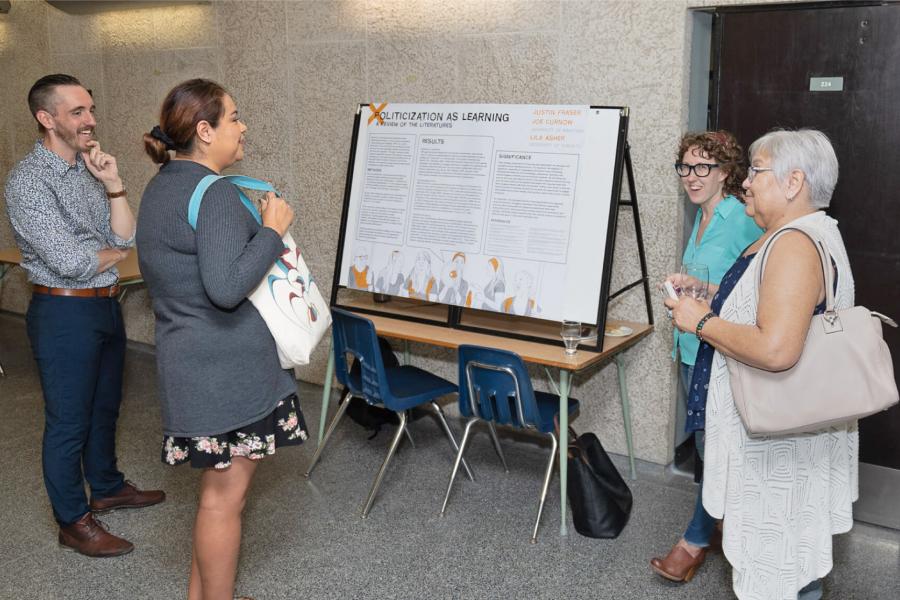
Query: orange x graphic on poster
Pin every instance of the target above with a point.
(376, 113)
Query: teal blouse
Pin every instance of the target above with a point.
(729, 232)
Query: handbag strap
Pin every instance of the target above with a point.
(817, 241)
(240, 181)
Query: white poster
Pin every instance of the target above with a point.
(497, 207)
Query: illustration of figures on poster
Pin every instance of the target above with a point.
(474, 281)
(359, 274)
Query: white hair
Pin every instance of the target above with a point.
(808, 150)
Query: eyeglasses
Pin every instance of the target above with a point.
(752, 171)
(700, 169)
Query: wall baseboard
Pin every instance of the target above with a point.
(879, 488)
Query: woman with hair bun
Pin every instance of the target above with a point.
(226, 402)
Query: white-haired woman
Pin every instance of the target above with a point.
(782, 498)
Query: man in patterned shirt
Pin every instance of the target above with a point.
(72, 223)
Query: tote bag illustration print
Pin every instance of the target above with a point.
(287, 298)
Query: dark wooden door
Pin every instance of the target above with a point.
(764, 59)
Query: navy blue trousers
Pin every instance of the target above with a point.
(79, 346)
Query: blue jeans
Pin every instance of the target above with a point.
(701, 527)
(813, 591)
(79, 346)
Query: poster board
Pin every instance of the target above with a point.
(502, 209)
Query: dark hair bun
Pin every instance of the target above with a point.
(184, 107)
(156, 150)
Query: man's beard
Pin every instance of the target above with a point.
(73, 138)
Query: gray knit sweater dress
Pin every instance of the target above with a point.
(217, 364)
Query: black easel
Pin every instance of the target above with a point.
(645, 278)
(455, 313)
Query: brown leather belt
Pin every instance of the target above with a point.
(104, 292)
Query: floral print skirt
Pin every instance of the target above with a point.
(284, 426)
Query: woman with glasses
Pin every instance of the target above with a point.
(710, 165)
(783, 497)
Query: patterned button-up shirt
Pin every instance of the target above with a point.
(60, 216)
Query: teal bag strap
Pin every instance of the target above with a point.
(241, 181)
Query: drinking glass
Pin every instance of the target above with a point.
(571, 335)
(695, 280)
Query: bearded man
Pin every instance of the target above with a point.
(72, 223)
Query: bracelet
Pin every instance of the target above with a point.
(118, 194)
(702, 322)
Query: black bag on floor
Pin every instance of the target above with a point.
(371, 417)
(599, 498)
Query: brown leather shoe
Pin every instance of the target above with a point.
(89, 536)
(128, 497)
(678, 565)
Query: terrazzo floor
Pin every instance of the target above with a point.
(305, 538)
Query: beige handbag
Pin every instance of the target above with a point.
(844, 373)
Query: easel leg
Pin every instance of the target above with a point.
(642, 255)
(326, 393)
(626, 411)
(564, 386)
(405, 352)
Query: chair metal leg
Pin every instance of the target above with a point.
(497, 447)
(547, 477)
(377, 483)
(459, 455)
(408, 434)
(446, 426)
(342, 407)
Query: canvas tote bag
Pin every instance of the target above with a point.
(287, 298)
(844, 373)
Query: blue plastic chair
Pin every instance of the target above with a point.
(397, 388)
(494, 387)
